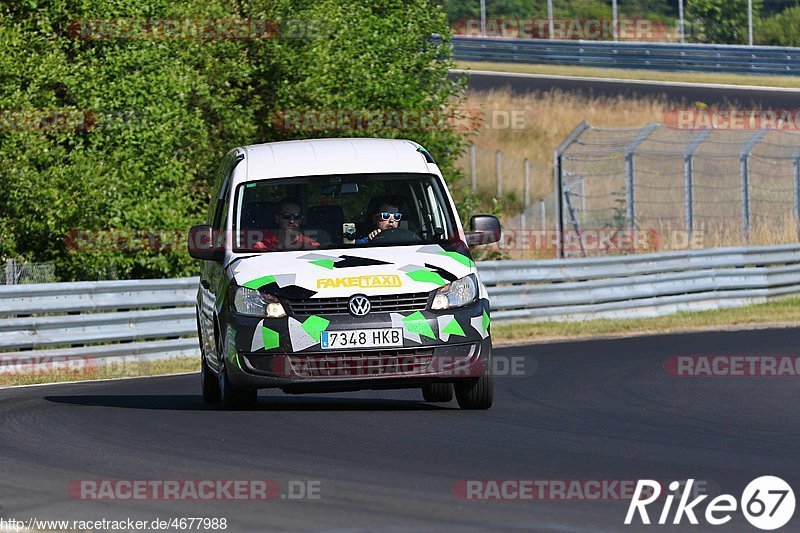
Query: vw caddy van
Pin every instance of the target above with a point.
(339, 265)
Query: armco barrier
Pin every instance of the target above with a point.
(640, 285)
(155, 318)
(149, 319)
(632, 55)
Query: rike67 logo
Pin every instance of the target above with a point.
(767, 503)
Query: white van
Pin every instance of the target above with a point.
(336, 265)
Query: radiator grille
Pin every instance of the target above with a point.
(389, 303)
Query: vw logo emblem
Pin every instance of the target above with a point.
(359, 305)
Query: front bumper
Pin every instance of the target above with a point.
(286, 353)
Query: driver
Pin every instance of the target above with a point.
(386, 216)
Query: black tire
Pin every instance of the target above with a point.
(438, 392)
(209, 381)
(234, 398)
(474, 393)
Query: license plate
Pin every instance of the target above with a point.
(361, 338)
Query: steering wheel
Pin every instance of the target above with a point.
(396, 235)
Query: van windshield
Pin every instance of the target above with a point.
(341, 211)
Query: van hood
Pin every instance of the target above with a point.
(344, 272)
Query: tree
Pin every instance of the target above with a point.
(154, 116)
(781, 29)
(723, 21)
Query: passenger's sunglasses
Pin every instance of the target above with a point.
(288, 215)
(387, 216)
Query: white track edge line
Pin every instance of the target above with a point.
(630, 81)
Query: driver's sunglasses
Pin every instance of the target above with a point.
(387, 216)
(289, 215)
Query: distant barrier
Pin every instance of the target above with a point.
(709, 58)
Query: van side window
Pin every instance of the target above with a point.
(222, 193)
(221, 214)
(219, 180)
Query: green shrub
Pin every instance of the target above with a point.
(161, 113)
(781, 29)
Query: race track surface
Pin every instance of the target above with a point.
(592, 410)
(686, 94)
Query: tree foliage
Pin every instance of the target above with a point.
(161, 112)
(723, 21)
(782, 29)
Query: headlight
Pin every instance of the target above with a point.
(252, 303)
(460, 292)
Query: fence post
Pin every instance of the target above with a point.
(11, 272)
(688, 179)
(558, 193)
(498, 161)
(542, 214)
(526, 194)
(473, 170)
(630, 197)
(796, 165)
(745, 171)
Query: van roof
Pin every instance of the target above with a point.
(313, 157)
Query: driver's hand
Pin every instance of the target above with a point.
(373, 234)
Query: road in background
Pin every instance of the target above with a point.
(598, 409)
(675, 92)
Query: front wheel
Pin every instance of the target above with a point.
(474, 393)
(437, 392)
(234, 397)
(210, 384)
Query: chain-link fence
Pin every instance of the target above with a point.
(15, 273)
(716, 187)
(523, 185)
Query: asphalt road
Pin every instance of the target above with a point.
(673, 93)
(593, 410)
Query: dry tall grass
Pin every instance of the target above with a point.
(546, 119)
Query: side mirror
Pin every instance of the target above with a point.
(484, 229)
(203, 244)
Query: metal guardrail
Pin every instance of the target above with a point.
(155, 318)
(49, 322)
(632, 55)
(640, 285)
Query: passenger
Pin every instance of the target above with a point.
(288, 236)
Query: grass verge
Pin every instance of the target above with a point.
(686, 77)
(781, 312)
(121, 370)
